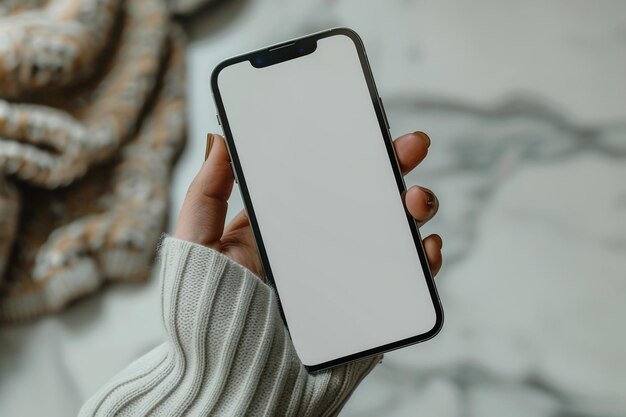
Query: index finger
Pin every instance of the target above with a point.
(411, 149)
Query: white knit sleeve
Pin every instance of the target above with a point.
(227, 351)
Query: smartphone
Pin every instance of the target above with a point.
(310, 148)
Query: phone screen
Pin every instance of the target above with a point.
(328, 208)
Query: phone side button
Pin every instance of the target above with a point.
(219, 122)
(232, 168)
(382, 108)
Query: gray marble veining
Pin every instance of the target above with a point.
(476, 150)
(526, 108)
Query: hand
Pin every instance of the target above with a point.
(203, 214)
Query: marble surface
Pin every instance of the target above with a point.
(526, 106)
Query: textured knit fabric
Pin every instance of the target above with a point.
(227, 351)
(91, 119)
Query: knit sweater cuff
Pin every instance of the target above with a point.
(227, 351)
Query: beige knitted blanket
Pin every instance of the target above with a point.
(91, 120)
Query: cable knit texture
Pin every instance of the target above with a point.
(227, 351)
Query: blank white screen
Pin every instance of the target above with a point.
(327, 204)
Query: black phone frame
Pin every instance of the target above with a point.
(293, 49)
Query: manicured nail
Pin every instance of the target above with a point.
(440, 241)
(430, 197)
(209, 144)
(423, 136)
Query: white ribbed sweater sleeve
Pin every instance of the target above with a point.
(227, 351)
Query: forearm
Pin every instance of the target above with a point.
(227, 351)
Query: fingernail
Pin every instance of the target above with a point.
(440, 241)
(209, 145)
(430, 197)
(423, 136)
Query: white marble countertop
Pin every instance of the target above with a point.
(526, 106)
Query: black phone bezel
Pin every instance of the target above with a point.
(287, 50)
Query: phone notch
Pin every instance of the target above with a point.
(283, 52)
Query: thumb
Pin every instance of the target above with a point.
(203, 214)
